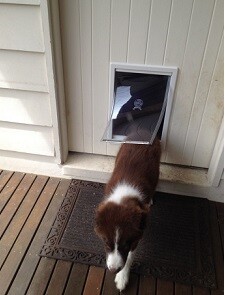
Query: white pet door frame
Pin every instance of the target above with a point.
(140, 103)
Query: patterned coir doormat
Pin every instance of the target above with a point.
(176, 244)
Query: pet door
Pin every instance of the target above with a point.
(141, 99)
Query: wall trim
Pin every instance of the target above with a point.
(21, 2)
(173, 179)
(59, 78)
(52, 41)
(216, 165)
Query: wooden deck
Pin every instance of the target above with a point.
(28, 205)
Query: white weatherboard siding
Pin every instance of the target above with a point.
(183, 33)
(25, 107)
(23, 70)
(28, 122)
(21, 28)
(26, 139)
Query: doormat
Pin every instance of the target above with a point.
(176, 244)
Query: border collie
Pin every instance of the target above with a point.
(120, 218)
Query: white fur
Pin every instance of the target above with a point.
(114, 259)
(123, 190)
(122, 277)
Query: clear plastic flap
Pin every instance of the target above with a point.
(139, 105)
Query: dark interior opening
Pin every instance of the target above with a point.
(139, 105)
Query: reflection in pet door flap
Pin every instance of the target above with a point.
(139, 105)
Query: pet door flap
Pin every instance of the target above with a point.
(139, 104)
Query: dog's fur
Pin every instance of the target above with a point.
(120, 218)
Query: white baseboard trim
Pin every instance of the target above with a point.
(29, 163)
(173, 179)
(212, 193)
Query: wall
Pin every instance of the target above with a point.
(33, 136)
(183, 33)
(28, 122)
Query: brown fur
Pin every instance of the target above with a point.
(130, 215)
(137, 165)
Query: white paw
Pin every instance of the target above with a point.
(121, 280)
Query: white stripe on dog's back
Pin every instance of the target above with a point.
(123, 190)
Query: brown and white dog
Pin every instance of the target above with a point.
(120, 218)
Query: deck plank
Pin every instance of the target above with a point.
(29, 211)
(42, 276)
(20, 217)
(132, 287)
(109, 286)
(4, 178)
(31, 260)
(15, 201)
(181, 289)
(220, 214)
(94, 281)
(218, 253)
(9, 189)
(164, 287)
(18, 251)
(147, 285)
(76, 280)
(59, 278)
(200, 291)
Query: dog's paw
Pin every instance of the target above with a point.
(121, 280)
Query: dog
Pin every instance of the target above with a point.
(120, 218)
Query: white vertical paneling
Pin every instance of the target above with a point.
(120, 16)
(180, 33)
(86, 72)
(189, 73)
(159, 22)
(176, 40)
(72, 72)
(205, 77)
(100, 70)
(138, 31)
(177, 32)
(212, 116)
